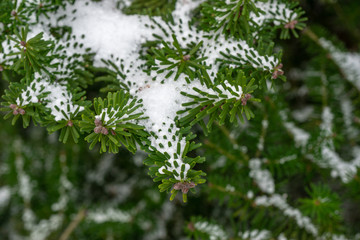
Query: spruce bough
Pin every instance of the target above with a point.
(190, 71)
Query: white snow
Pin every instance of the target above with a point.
(58, 99)
(349, 62)
(303, 114)
(106, 29)
(262, 177)
(5, 194)
(255, 235)
(346, 170)
(276, 12)
(301, 137)
(214, 231)
(108, 215)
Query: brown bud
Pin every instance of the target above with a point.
(98, 129)
(13, 13)
(291, 24)
(21, 111)
(186, 57)
(185, 190)
(1, 68)
(277, 71)
(104, 131)
(70, 123)
(184, 186)
(15, 112)
(97, 122)
(23, 43)
(245, 98)
(177, 186)
(191, 226)
(13, 106)
(113, 132)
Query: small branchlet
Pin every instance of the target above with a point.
(277, 71)
(184, 186)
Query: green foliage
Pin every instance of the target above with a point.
(323, 206)
(33, 53)
(25, 111)
(218, 105)
(282, 158)
(179, 60)
(151, 7)
(229, 18)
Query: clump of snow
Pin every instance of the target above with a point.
(214, 231)
(347, 110)
(303, 114)
(108, 215)
(42, 230)
(301, 137)
(346, 170)
(265, 125)
(349, 62)
(276, 12)
(287, 158)
(5, 194)
(161, 101)
(250, 194)
(106, 30)
(262, 177)
(230, 188)
(255, 235)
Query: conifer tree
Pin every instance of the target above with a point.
(179, 119)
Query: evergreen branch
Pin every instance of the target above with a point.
(226, 98)
(113, 123)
